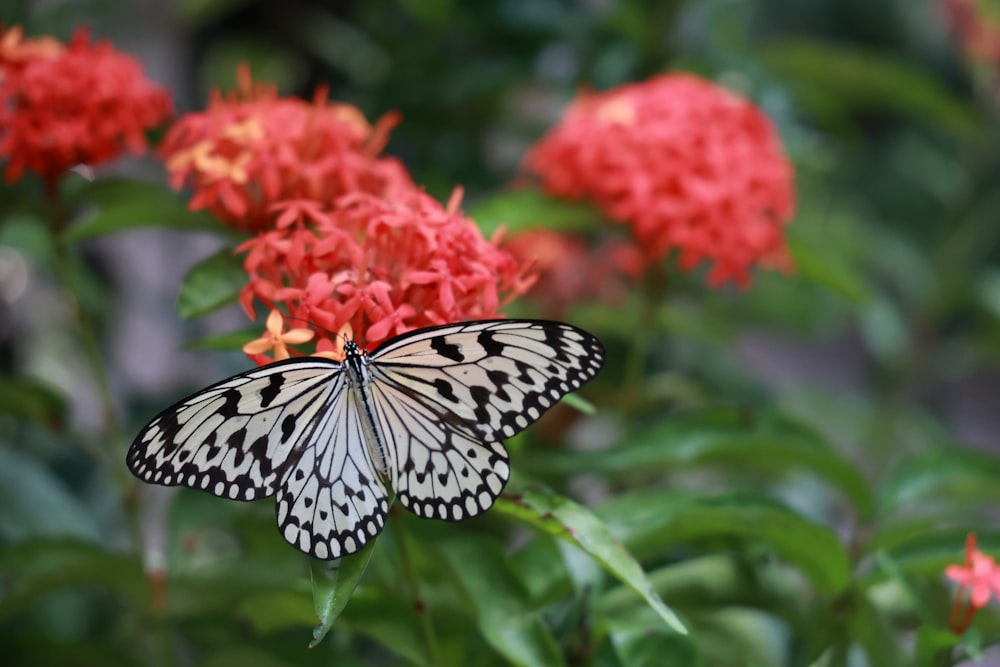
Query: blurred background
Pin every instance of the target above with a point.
(886, 339)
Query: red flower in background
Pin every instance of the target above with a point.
(252, 149)
(978, 578)
(687, 164)
(569, 271)
(978, 31)
(383, 266)
(83, 104)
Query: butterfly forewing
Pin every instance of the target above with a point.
(238, 437)
(495, 377)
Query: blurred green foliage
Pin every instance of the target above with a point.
(778, 522)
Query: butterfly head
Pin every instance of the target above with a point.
(352, 349)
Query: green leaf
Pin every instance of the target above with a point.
(870, 629)
(935, 645)
(840, 78)
(274, 611)
(502, 610)
(230, 341)
(948, 476)
(827, 269)
(333, 583)
(726, 436)
(379, 615)
(520, 210)
(580, 404)
(33, 401)
(211, 284)
(652, 522)
(122, 205)
(641, 646)
(34, 502)
(37, 567)
(570, 521)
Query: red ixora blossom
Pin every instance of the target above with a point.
(978, 578)
(689, 165)
(252, 149)
(381, 266)
(978, 31)
(84, 103)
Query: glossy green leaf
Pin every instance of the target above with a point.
(568, 520)
(37, 567)
(870, 629)
(211, 284)
(952, 476)
(639, 646)
(121, 205)
(721, 436)
(847, 77)
(520, 210)
(716, 580)
(29, 399)
(827, 269)
(34, 502)
(244, 656)
(278, 610)
(231, 341)
(333, 584)
(505, 619)
(382, 616)
(653, 522)
(935, 645)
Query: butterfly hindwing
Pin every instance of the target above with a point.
(438, 469)
(332, 502)
(237, 438)
(496, 377)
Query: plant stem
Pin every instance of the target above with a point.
(651, 296)
(419, 607)
(65, 260)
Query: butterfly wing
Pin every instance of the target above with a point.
(437, 467)
(446, 396)
(331, 502)
(290, 428)
(237, 438)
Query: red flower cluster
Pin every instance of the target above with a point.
(980, 577)
(569, 271)
(978, 31)
(62, 106)
(252, 149)
(689, 165)
(383, 266)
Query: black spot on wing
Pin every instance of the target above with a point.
(231, 403)
(271, 391)
(445, 390)
(288, 427)
(447, 350)
(490, 344)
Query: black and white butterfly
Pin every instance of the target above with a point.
(422, 415)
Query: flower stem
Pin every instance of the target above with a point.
(65, 261)
(419, 607)
(651, 297)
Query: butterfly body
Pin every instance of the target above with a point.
(356, 363)
(423, 415)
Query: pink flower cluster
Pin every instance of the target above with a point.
(83, 103)
(689, 166)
